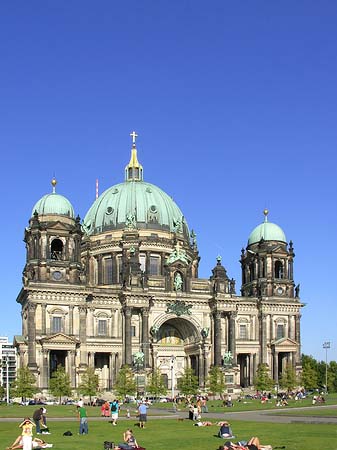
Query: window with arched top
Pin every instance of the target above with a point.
(278, 269)
(56, 249)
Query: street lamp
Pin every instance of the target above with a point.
(326, 346)
(5, 362)
(172, 377)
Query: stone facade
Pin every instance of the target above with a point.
(95, 300)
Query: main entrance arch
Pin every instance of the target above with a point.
(178, 345)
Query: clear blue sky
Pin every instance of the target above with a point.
(235, 104)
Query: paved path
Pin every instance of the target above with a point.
(274, 416)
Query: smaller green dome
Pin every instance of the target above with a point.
(54, 204)
(268, 231)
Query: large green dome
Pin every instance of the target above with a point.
(152, 208)
(54, 204)
(268, 231)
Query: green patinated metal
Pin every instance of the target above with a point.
(146, 204)
(54, 204)
(268, 231)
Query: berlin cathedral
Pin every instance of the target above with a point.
(122, 286)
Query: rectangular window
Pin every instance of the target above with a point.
(279, 331)
(119, 268)
(154, 265)
(229, 379)
(243, 332)
(108, 271)
(142, 261)
(102, 328)
(56, 324)
(133, 331)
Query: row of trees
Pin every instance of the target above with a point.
(312, 377)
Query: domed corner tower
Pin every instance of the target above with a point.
(53, 242)
(267, 277)
(267, 263)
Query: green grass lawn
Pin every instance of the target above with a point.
(321, 412)
(182, 435)
(252, 405)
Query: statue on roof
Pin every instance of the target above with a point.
(178, 225)
(177, 254)
(130, 221)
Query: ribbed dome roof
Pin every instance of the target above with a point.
(151, 207)
(54, 204)
(268, 231)
(134, 204)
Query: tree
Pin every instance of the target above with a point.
(2, 391)
(262, 380)
(89, 383)
(59, 384)
(24, 385)
(156, 385)
(125, 382)
(216, 381)
(288, 379)
(188, 384)
(309, 377)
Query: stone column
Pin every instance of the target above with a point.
(31, 336)
(275, 367)
(43, 312)
(111, 370)
(72, 367)
(83, 336)
(217, 338)
(232, 336)
(45, 369)
(127, 336)
(99, 270)
(71, 320)
(92, 360)
(263, 338)
(201, 366)
(251, 369)
(145, 336)
(298, 337)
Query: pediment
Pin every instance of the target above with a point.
(284, 343)
(60, 339)
(58, 226)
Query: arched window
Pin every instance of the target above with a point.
(56, 249)
(278, 269)
(252, 271)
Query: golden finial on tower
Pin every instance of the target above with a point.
(265, 212)
(54, 183)
(134, 170)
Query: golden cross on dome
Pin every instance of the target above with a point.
(134, 135)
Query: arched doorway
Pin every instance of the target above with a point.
(178, 346)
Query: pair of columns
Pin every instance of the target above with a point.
(217, 337)
(127, 341)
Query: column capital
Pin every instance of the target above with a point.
(82, 309)
(31, 307)
(127, 311)
(145, 311)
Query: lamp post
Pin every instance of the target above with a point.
(326, 346)
(172, 377)
(6, 363)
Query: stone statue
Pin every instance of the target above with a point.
(154, 330)
(297, 291)
(138, 359)
(228, 358)
(178, 282)
(130, 221)
(232, 286)
(178, 225)
(177, 254)
(205, 332)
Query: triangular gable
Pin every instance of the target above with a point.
(59, 338)
(284, 343)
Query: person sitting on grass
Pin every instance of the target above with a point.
(130, 442)
(225, 431)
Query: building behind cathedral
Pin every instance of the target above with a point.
(122, 286)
